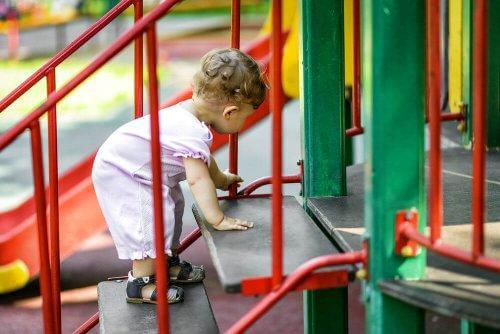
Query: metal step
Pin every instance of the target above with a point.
(459, 296)
(116, 316)
(239, 255)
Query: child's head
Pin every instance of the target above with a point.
(230, 84)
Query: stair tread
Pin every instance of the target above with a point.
(247, 254)
(471, 298)
(193, 315)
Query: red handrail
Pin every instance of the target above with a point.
(66, 52)
(291, 282)
(98, 62)
(479, 111)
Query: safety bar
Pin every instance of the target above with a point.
(408, 231)
(291, 282)
(67, 51)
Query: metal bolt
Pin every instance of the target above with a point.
(461, 127)
(407, 251)
(361, 274)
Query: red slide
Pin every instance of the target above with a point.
(80, 215)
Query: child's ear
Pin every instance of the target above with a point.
(228, 111)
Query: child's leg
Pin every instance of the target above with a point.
(141, 268)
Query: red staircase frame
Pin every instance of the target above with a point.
(277, 285)
(407, 231)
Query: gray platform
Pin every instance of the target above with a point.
(193, 316)
(244, 254)
(343, 217)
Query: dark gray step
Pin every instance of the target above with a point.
(343, 217)
(475, 299)
(193, 316)
(246, 254)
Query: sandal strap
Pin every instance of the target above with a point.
(173, 260)
(186, 269)
(135, 284)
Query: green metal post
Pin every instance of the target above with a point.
(323, 127)
(493, 70)
(393, 104)
(468, 327)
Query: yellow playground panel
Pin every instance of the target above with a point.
(290, 65)
(455, 55)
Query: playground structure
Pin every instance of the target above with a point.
(389, 68)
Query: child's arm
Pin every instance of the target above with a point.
(203, 189)
(222, 180)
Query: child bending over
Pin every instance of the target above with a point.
(226, 90)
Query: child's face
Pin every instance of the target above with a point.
(233, 118)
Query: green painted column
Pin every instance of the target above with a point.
(393, 58)
(323, 127)
(493, 80)
(467, 327)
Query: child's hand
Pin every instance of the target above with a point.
(228, 223)
(228, 179)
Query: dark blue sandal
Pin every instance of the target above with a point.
(187, 273)
(175, 294)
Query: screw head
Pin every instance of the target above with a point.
(361, 274)
(461, 127)
(407, 251)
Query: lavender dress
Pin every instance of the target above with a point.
(122, 179)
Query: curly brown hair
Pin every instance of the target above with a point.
(229, 75)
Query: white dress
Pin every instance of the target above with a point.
(122, 179)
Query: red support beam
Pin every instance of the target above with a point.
(276, 106)
(43, 245)
(89, 324)
(55, 266)
(233, 138)
(479, 120)
(161, 263)
(435, 201)
(356, 89)
(138, 63)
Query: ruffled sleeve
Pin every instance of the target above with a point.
(187, 137)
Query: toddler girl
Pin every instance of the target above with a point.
(226, 90)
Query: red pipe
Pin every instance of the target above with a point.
(291, 282)
(55, 267)
(65, 53)
(450, 251)
(254, 185)
(43, 247)
(138, 66)
(276, 105)
(433, 95)
(356, 89)
(97, 63)
(88, 325)
(445, 117)
(233, 138)
(189, 240)
(161, 263)
(479, 119)
(354, 131)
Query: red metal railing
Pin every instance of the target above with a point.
(407, 231)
